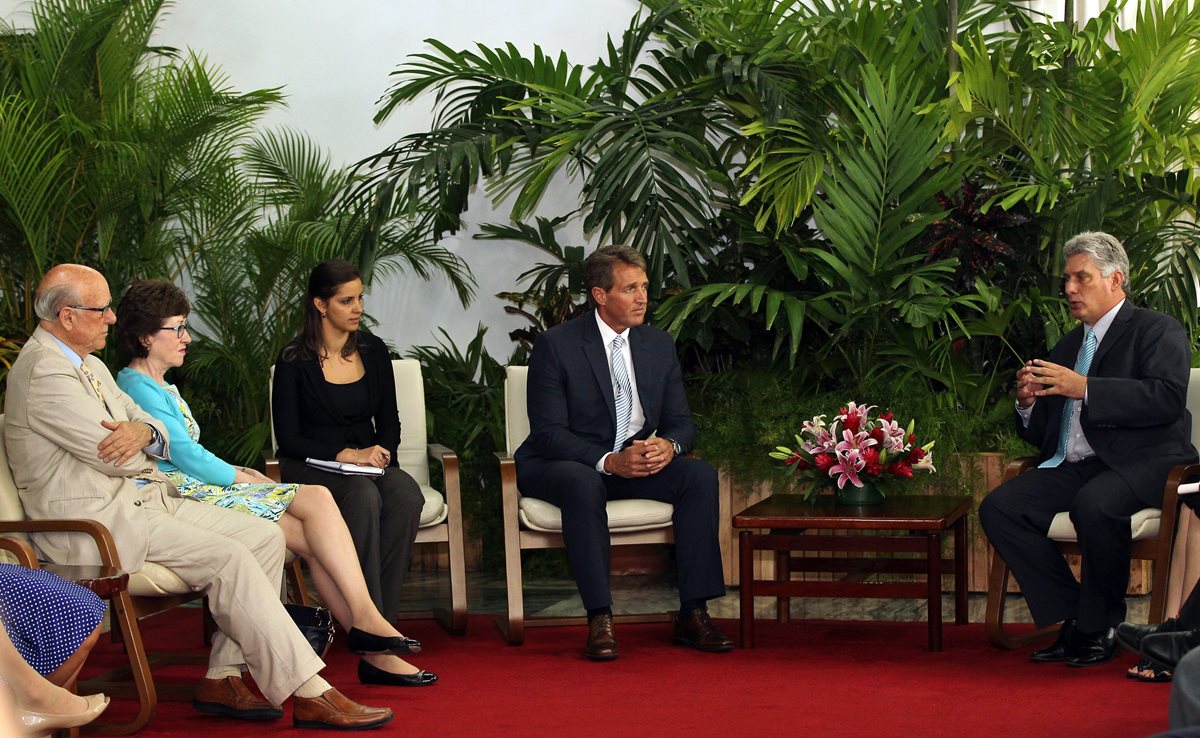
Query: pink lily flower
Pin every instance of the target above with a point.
(850, 462)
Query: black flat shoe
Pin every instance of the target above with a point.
(368, 674)
(360, 642)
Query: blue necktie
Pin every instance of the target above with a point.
(1082, 364)
(624, 398)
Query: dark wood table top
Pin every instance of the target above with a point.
(896, 512)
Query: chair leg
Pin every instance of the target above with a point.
(514, 627)
(457, 624)
(994, 616)
(295, 581)
(126, 619)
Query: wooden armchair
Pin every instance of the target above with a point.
(532, 524)
(441, 518)
(1153, 531)
(132, 596)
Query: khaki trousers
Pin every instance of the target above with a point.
(237, 561)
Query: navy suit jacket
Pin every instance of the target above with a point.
(572, 415)
(1136, 417)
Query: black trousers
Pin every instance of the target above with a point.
(382, 514)
(1016, 517)
(690, 485)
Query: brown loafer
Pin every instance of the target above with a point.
(601, 642)
(231, 698)
(335, 711)
(697, 631)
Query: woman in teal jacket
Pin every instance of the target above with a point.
(152, 331)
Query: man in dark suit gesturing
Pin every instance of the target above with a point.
(609, 420)
(1109, 430)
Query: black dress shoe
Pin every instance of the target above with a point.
(360, 641)
(697, 631)
(1090, 649)
(369, 674)
(1164, 650)
(1130, 635)
(601, 642)
(1056, 651)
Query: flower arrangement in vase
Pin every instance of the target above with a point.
(858, 454)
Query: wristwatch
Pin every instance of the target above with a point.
(675, 445)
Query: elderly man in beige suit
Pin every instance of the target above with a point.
(80, 447)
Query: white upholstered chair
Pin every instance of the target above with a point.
(151, 590)
(441, 517)
(1153, 539)
(530, 523)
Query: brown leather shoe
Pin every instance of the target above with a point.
(601, 643)
(697, 631)
(230, 697)
(335, 711)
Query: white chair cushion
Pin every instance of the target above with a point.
(1143, 524)
(156, 580)
(434, 510)
(623, 515)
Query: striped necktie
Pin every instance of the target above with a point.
(624, 397)
(91, 378)
(1082, 364)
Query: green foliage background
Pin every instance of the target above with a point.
(838, 199)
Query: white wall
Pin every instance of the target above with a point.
(333, 59)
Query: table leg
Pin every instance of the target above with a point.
(933, 555)
(746, 585)
(960, 572)
(783, 572)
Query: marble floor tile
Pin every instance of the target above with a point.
(648, 594)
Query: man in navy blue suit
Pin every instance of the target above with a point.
(1107, 410)
(609, 420)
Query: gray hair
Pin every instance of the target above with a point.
(1105, 250)
(49, 302)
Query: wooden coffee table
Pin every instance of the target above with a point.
(914, 524)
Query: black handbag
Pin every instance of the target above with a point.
(315, 624)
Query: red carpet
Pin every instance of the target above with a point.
(808, 679)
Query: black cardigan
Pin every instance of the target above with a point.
(308, 423)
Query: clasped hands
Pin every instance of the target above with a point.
(1040, 378)
(376, 456)
(640, 458)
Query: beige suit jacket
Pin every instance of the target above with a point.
(51, 434)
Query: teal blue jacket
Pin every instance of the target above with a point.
(186, 455)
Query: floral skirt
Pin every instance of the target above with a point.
(264, 500)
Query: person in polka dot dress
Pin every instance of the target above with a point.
(52, 623)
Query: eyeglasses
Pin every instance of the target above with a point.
(179, 329)
(100, 310)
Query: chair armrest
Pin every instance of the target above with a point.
(1170, 504)
(271, 467)
(21, 550)
(1019, 466)
(449, 461)
(104, 540)
(508, 489)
